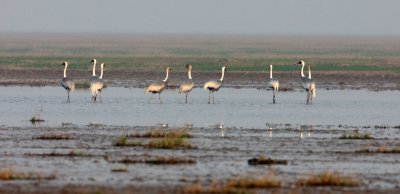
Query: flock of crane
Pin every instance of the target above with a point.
(97, 83)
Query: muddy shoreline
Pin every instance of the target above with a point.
(133, 79)
(217, 158)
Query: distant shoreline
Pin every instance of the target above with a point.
(290, 81)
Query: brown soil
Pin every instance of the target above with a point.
(288, 80)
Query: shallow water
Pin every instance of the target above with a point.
(243, 108)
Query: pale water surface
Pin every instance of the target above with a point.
(247, 108)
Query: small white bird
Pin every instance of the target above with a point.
(214, 86)
(66, 82)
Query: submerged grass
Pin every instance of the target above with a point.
(72, 153)
(356, 135)
(261, 160)
(328, 178)
(54, 136)
(158, 133)
(10, 174)
(235, 185)
(381, 150)
(156, 160)
(123, 141)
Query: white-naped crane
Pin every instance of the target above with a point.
(66, 82)
(214, 85)
(307, 83)
(187, 86)
(97, 85)
(273, 83)
(159, 86)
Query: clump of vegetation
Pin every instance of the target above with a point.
(382, 150)
(54, 136)
(36, 119)
(119, 170)
(261, 160)
(356, 135)
(328, 178)
(257, 182)
(159, 139)
(9, 174)
(168, 143)
(236, 185)
(175, 133)
(156, 160)
(123, 141)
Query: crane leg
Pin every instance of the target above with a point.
(186, 97)
(273, 99)
(212, 96)
(99, 94)
(308, 97)
(68, 100)
(159, 98)
(209, 97)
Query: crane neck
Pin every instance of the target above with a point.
(101, 73)
(166, 77)
(65, 70)
(190, 73)
(302, 70)
(222, 74)
(270, 72)
(94, 68)
(309, 72)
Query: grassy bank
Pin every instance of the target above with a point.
(206, 53)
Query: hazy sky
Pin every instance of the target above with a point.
(333, 17)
